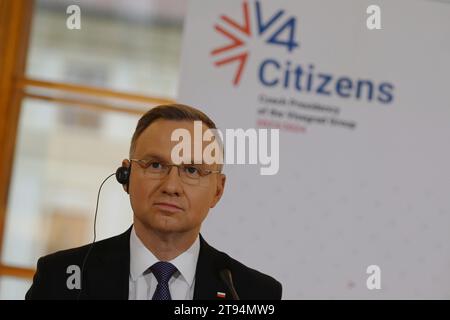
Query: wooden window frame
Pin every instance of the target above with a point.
(15, 24)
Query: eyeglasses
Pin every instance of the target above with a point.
(189, 173)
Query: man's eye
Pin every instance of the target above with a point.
(191, 170)
(155, 165)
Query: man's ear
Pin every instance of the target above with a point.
(126, 163)
(220, 187)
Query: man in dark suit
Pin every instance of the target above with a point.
(162, 256)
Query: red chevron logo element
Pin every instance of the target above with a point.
(241, 58)
(236, 42)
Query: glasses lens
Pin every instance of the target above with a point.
(155, 169)
(190, 174)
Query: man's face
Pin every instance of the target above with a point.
(168, 204)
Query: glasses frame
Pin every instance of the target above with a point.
(145, 163)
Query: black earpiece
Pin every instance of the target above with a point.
(123, 175)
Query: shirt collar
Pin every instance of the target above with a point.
(141, 259)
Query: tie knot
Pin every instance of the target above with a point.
(163, 271)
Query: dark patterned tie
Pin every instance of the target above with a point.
(163, 271)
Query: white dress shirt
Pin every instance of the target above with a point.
(142, 287)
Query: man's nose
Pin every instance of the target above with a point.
(172, 184)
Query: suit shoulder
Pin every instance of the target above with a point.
(104, 247)
(76, 255)
(49, 281)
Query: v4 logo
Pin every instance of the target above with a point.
(276, 29)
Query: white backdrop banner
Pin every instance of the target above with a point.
(364, 124)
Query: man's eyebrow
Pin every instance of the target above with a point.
(157, 157)
(154, 156)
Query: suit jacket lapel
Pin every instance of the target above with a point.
(207, 276)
